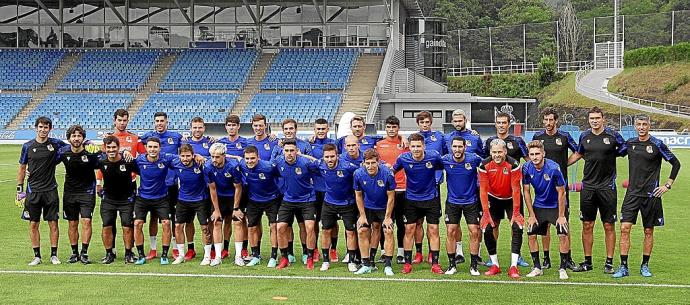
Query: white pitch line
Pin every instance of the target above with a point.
(362, 279)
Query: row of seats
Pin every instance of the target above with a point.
(305, 107)
(91, 110)
(310, 69)
(210, 69)
(10, 105)
(108, 69)
(27, 69)
(182, 107)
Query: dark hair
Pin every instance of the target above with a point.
(424, 115)
(120, 112)
(289, 121)
(197, 119)
(321, 121)
(75, 128)
(153, 139)
(595, 109)
(251, 149)
(550, 111)
(289, 142)
(45, 121)
(232, 118)
(186, 148)
(461, 139)
(502, 115)
(393, 120)
(371, 153)
(416, 137)
(111, 139)
(330, 147)
(160, 113)
(258, 117)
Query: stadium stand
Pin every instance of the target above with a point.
(10, 105)
(111, 69)
(182, 107)
(210, 69)
(27, 69)
(327, 69)
(91, 110)
(301, 107)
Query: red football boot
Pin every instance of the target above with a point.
(191, 254)
(493, 270)
(407, 269)
(514, 272)
(283, 263)
(333, 253)
(436, 268)
(316, 255)
(224, 254)
(418, 258)
(152, 255)
(310, 263)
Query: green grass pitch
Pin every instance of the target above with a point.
(260, 285)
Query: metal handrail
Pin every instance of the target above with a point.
(528, 67)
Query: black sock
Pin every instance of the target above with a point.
(226, 244)
(358, 257)
(624, 260)
(310, 253)
(535, 259)
(114, 236)
(588, 259)
(274, 252)
(418, 246)
(334, 243)
(366, 261)
(546, 255)
(451, 260)
(256, 251)
(372, 254)
(190, 246)
(474, 261)
(128, 252)
(304, 249)
(291, 248)
(565, 258)
(609, 260)
(645, 259)
(408, 256)
(75, 249)
(324, 253)
(245, 244)
(388, 260)
(37, 252)
(284, 252)
(434, 257)
(53, 251)
(165, 251)
(109, 251)
(140, 250)
(352, 254)
(84, 248)
(570, 255)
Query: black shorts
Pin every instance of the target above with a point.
(374, 216)
(399, 208)
(318, 204)
(650, 208)
(185, 211)
(47, 203)
(332, 213)
(544, 218)
(173, 193)
(143, 206)
(502, 208)
(110, 208)
(604, 201)
(255, 209)
(76, 205)
(454, 212)
(227, 204)
(418, 210)
(288, 211)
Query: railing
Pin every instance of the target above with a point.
(672, 108)
(20, 86)
(186, 86)
(529, 67)
(373, 105)
(100, 86)
(302, 86)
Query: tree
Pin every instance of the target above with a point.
(570, 32)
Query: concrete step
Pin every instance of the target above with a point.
(151, 86)
(361, 86)
(252, 87)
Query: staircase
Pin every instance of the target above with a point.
(37, 97)
(151, 85)
(362, 84)
(253, 85)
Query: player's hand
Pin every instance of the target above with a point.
(20, 199)
(563, 223)
(312, 138)
(280, 143)
(388, 223)
(212, 139)
(486, 221)
(659, 191)
(199, 159)
(99, 191)
(128, 156)
(531, 222)
(216, 216)
(404, 143)
(517, 218)
(272, 137)
(363, 222)
(237, 215)
(185, 138)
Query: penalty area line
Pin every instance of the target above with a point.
(361, 279)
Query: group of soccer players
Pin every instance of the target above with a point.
(383, 188)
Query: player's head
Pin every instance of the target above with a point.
(121, 119)
(424, 121)
(502, 123)
(251, 156)
(290, 150)
(498, 150)
(392, 126)
(289, 128)
(198, 128)
(416, 145)
(457, 147)
(232, 124)
(330, 155)
(357, 126)
(642, 125)
(112, 146)
(186, 154)
(352, 146)
(596, 119)
(160, 120)
(459, 119)
(371, 161)
(536, 151)
(549, 118)
(153, 147)
(75, 135)
(259, 124)
(43, 126)
(321, 128)
(217, 152)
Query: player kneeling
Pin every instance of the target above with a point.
(548, 207)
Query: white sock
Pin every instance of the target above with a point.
(180, 249)
(173, 241)
(401, 252)
(219, 248)
(207, 251)
(513, 259)
(153, 243)
(458, 248)
(494, 259)
(383, 252)
(238, 249)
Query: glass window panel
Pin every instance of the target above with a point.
(31, 13)
(203, 8)
(138, 36)
(204, 33)
(115, 36)
(335, 13)
(291, 14)
(44, 18)
(290, 35)
(138, 11)
(271, 36)
(7, 10)
(378, 35)
(159, 36)
(159, 11)
(179, 37)
(28, 36)
(95, 12)
(225, 13)
(358, 11)
(243, 15)
(249, 34)
(273, 11)
(337, 36)
(110, 16)
(73, 37)
(72, 11)
(94, 36)
(312, 36)
(377, 13)
(50, 37)
(8, 36)
(309, 13)
(176, 15)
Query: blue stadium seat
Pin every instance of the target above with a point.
(301, 107)
(27, 69)
(91, 110)
(210, 69)
(111, 69)
(10, 105)
(327, 69)
(182, 107)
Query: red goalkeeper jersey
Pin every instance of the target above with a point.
(500, 180)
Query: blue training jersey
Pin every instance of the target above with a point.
(170, 144)
(317, 152)
(193, 182)
(152, 184)
(261, 181)
(356, 161)
(303, 146)
(462, 178)
(265, 147)
(473, 141)
(201, 146)
(224, 177)
(365, 143)
(375, 188)
(435, 141)
(236, 147)
(421, 175)
(338, 182)
(297, 177)
(544, 182)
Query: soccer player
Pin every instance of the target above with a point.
(264, 195)
(39, 157)
(79, 197)
(117, 197)
(389, 149)
(461, 169)
(556, 146)
(549, 206)
(192, 201)
(169, 144)
(352, 154)
(375, 196)
(644, 192)
(263, 141)
(153, 168)
(499, 193)
(234, 143)
(357, 127)
(297, 171)
(225, 188)
(599, 146)
(422, 198)
(339, 203)
(318, 141)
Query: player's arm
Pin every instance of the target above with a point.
(484, 198)
(574, 157)
(236, 211)
(528, 202)
(675, 168)
(359, 199)
(515, 181)
(523, 149)
(388, 220)
(214, 201)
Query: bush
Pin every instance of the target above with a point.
(547, 71)
(657, 55)
(673, 85)
(501, 85)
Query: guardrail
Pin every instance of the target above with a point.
(528, 67)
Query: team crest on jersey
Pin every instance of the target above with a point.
(123, 168)
(649, 149)
(204, 145)
(84, 158)
(144, 166)
(197, 171)
(267, 146)
(262, 176)
(298, 170)
(50, 147)
(468, 166)
(433, 138)
(160, 165)
(546, 177)
(587, 141)
(364, 141)
(380, 182)
(607, 141)
(505, 170)
(364, 182)
(69, 158)
(238, 145)
(171, 141)
(228, 175)
(559, 141)
(128, 139)
(340, 174)
(429, 165)
(510, 145)
(468, 143)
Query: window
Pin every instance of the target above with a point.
(411, 114)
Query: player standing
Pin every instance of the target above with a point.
(319, 140)
(357, 127)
